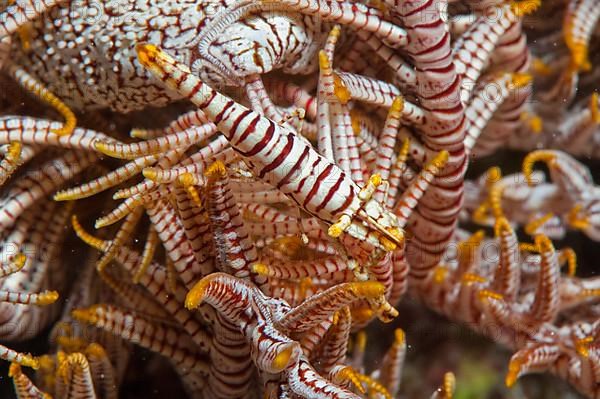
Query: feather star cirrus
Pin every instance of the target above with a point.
(310, 173)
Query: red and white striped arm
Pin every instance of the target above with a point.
(10, 162)
(576, 132)
(39, 182)
(120, 212)
(153, 281)
(307, 383)
(185, 138)
(156, 337)
(387, 144)
(546, 298)
(335, 345)
(216, 150)
(260, 100)
(124, 233)
(355, 15)
(146, 186)
(507, 277)
(319, 307)
(576, 291)
(26, 298)
(33, 86)
(27, 130)
(580, 21)
(405, 75)
(535, 358)
(397, 170)
(192, 118)
(233, 246)
(334, 267)
(446, 390)
(264, 212)
(391, 368)
(74, 375)
(103, 372)
(195, 223)
(107, 181)
(487, 101)
(380, 93)
(272, 352)
(324, 94)
(170, 230)
(473, 50)
(399, 276)
(24, 388)
(434, 220)
(511, 54)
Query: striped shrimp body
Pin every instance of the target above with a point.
(278, 156)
